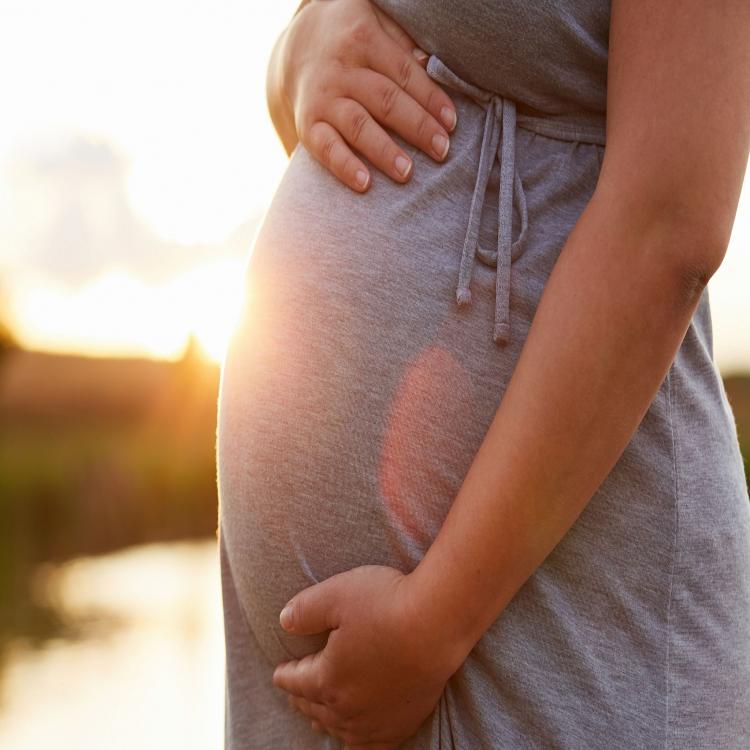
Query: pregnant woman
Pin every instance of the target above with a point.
(470, 427)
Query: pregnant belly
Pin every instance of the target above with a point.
(353, 396)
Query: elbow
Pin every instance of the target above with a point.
(697, 250)
(693, 273)
(687, 237)
(692, 260)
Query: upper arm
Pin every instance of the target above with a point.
(678, 112)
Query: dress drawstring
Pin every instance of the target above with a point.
(500, 127)
(501, 116)
(500, 119)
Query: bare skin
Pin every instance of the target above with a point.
(339, 75)
(611, 319)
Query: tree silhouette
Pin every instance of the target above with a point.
(7, 342)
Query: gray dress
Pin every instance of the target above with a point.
(357, 390)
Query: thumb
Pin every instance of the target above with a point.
(311, 611)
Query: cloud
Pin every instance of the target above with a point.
(67, 216)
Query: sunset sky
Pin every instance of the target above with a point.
(136, 160)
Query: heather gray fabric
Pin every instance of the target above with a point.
(356, 392)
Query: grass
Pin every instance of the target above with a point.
(98, 455)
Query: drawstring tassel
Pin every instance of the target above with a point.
(500, 117)
(490, 139)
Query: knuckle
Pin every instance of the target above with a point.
(345, 725)
(388, 97)
(327, 148)
(402, 38)
(423, 126)
(433, 102)
(350, 722)
(357, 122)
(330, 695)
(404, 73)
(322, 684)
(313, 132)
(326, 83)
(388, 152)
(360, 33)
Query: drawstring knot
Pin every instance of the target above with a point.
(499, 140)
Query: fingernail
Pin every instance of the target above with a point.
(361, 178)
(448, 116)
(440, 144)
(285, 618)
(403, 165)
(420, 54)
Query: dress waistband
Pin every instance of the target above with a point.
(501, 120)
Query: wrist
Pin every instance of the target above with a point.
(278, 99)
(291, 51)
(442, 630)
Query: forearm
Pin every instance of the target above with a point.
(612, 316)
(278, 104)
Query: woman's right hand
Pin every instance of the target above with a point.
(343, 71)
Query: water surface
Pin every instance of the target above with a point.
(142, 666)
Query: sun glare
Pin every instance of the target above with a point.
(210, 296)
(120, 315)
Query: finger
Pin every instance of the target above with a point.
(420, 56)
(401, 37)
(314, 609)
(359, 128)
(394, 31)
(330, 149)
(386, 57)
(317, 711)
(301, 677)
(335, 716)
(394, 108)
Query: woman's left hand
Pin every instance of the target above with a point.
(384, 666)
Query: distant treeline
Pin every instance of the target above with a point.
(96, 455)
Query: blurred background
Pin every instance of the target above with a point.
(136, 161)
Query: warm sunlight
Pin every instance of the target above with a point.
(142, 178)
(119, 314)
(210, 298)
(131, 187)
